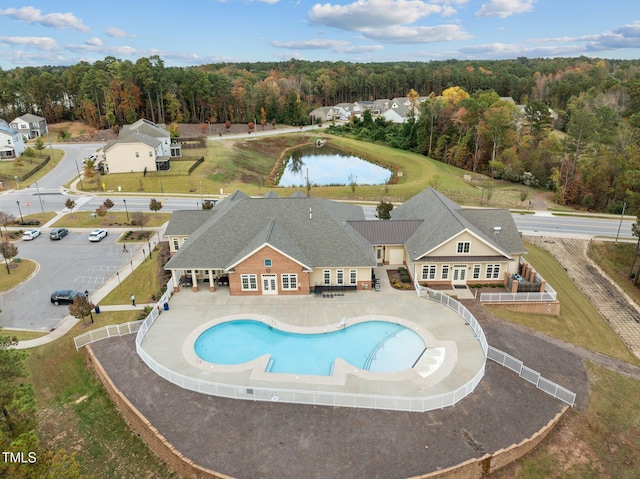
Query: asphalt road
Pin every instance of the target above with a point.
(71, 263)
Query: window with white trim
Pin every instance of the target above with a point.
(249, 282)
(445, 271)
(476, 271)
(493, 271)
(463, 247)
(176, 244)
(429, 271)
(353, 276)
(289, 281)
(340, 277)
(267, 263)
(326, 277)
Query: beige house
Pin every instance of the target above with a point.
(299, 245)
(142, 146)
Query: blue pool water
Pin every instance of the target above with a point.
(373, 345)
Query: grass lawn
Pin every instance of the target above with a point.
(615, 259)
(249, 165)
(9, 168)
(600, 442)
(143, 283)
(83, 219)
(76, 414)
(19, 272)
(579, 321)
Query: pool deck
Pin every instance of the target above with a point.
(170, 339)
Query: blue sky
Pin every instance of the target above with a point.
(206, 31)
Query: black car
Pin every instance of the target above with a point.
(58, 233)
(65, 296)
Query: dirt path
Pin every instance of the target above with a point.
(540, 201)
(612, 303)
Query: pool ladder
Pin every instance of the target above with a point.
(372, 355)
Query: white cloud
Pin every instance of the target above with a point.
(94, 42)
(372, 13)
(505, 8)
(40, 43)
(54, 20)
(115, 32)
(626, 36)
(417, 34)
(338, 46)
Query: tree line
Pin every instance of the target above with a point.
(589, 159)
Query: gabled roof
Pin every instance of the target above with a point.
(145, 127)
(135, 137)
(312, 231)
(185, 222)
(29, 118)
(4, 129)
(271, 194)
(444, 219)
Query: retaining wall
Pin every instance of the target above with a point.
(185, 467)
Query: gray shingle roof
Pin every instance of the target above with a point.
(386, 232)
(185, 222)
(444, 219)
(313, 231)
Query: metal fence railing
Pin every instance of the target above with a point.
(532, 376)
(304, 396)
(547, 296)
(106, 332)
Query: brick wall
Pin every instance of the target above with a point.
(279, 264)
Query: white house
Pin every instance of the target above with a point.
(11, 142)
(31, 126)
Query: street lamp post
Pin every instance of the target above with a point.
(149, 249)
(39, 197)
(20, 210)
(79, 177)
(6, 263)
(125, 208)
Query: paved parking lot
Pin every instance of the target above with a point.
(70, 263)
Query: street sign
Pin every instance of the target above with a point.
(27, 203)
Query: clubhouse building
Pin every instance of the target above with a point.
(300, 245)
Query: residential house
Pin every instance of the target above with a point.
(324, 113)
(11, 142)
(142, 146)
(30, 126)
(297, 245)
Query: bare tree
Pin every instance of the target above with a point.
(81, 308)
(9, 251)
(140, 219)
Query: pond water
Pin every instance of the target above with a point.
(327, 166)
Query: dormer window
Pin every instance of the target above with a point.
(463, 247)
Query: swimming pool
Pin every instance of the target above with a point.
(377, 346)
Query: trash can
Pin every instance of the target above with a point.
(97, 309)
(166, 306)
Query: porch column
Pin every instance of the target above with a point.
(176, 281)
(212, 285)
(194, 281)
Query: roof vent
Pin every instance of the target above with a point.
(497, 229)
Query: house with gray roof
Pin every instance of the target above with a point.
(295, 245)
(11, 142)
(30, 126)
(140, 146)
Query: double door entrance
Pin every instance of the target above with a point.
(459, 274)
(269, 284)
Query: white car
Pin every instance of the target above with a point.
(97, 235)
(29, 235)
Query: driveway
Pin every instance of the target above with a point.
(70, 263)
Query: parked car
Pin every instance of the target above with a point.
(58, 233)
(65, 296)
(29, 235)
(97, 235)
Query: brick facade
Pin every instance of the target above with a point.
(280, 264)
